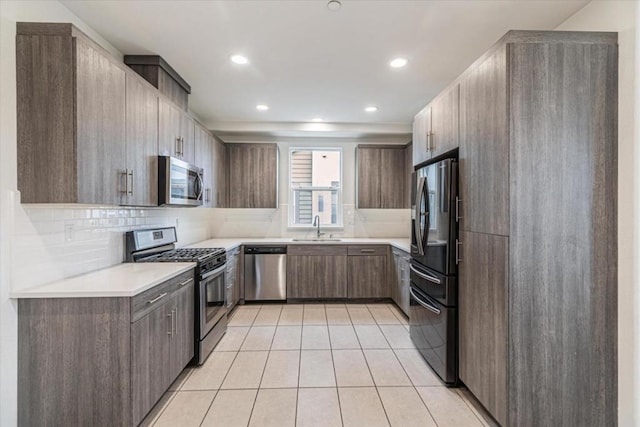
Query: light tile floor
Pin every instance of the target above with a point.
(315, 365)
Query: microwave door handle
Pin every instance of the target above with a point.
(419, 216)
(423, 303)
(201, 181)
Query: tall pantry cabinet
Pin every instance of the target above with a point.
(538, 198)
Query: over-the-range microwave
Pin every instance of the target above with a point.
(179, 183)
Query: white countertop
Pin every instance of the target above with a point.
(231, 243)
(123, 280)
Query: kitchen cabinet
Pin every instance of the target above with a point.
(367, 272)
(421, 129)
(436, 126)
(538, 185)
(162, 76)
(253, 175)
(220, 170)
(232, 278)
(70, 117)
(204, 158)
(382, 177)
(484, 146)
(176, 133)
(316, 271)
(482, 302)
(103, 360)
(400, 279)
(141, 144)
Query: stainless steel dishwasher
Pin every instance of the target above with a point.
(265, 273)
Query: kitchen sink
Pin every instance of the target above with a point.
(316, 240)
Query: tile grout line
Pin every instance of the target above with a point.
(204, 417)
(471, 407)
(175, 393)
(333, 363)
(299, 368)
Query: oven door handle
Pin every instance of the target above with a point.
(425, 276)
(216, 271)
(423, 303)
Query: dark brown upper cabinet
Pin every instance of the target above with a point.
(382, 177)
(253, 175)
(71, 118)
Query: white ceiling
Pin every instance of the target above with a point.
(307, 61)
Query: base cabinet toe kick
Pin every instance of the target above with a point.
(102, 361)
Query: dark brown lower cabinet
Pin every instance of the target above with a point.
(482, 301)
(85, 361)
(316, 271)
(367, 276)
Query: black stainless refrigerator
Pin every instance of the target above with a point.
(433, 315)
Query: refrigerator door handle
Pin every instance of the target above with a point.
(419, 215)
(423, 303)
(425, 276)
(427, 214)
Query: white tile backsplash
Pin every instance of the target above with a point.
(52, 242)
(274, 223)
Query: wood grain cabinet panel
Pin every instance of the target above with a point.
(482, 301)
(221, 171)
(367, 277)
(382, 177)
(85, 361)
(176, 134)
(142, 144)
(204, 157)
(253, 175)
(71, 120)
(421, 129)
(444, 135)
(484, 147)
(316, 276)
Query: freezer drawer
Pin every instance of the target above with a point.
(433, 330)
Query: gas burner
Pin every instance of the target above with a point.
(185, 254)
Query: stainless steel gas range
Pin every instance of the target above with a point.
(158, 245)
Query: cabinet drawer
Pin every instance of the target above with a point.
(319, 249)
(148, 300)
(368, 250)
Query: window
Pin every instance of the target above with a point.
(315, 176)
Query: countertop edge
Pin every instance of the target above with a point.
(33, 293)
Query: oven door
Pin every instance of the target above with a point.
(211, 300)
(180, 183)
(432, 327)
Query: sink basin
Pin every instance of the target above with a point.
(317, 240)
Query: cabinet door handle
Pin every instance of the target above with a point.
(367, 251)
(177, 146)
(123, 176)
(458, 217)
(170, 316)
(182, 146)
(130, 173)
(458, 244)
(185, 282)
(175, 321)
(156, 299)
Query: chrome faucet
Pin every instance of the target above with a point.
(316, 223)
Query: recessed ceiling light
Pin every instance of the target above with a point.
(398, 62)
(239, 59)
(262, 107)
(317, 119)
(334, 5)
(371, 109)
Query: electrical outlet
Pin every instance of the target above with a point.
(69, 232)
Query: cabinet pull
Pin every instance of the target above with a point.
(156, 299)
(185, 282)
(458, 244)
(177, 147)
(367, 251)
(175, 321)
(130, 173)
(458, 217)
(123, 175)
(170, 316)
(182, 146)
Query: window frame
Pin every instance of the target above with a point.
(339, 203)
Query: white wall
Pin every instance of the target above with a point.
(274, 222)
(624, 17)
